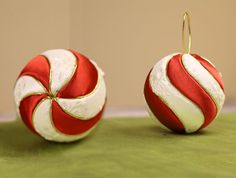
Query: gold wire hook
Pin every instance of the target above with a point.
(186, 50)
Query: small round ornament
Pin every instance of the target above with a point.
(185, 92)
(60, 95)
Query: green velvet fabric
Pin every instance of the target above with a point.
(122, 148)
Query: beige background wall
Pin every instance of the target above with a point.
(125, 37)
(28, 27)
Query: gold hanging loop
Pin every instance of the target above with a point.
(186, 49)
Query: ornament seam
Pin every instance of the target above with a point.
(32, 117)
(96, 86)
(201, 86)
(213, 77)
(76, 66)
(165, 103)
(50, 76)
(73, 135)
(161, 98)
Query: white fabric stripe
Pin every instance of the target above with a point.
(205, 79)
(44, 126)
(27, 86)
(188, 113)
(87, 106)
(62, 67)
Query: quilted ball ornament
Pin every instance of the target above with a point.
(60, 95)
(185, 92)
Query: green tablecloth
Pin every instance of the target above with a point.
(121, 148)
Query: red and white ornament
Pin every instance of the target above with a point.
(185, 92)
(60, 95)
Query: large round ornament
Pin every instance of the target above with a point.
(60, 95)
(185, 92)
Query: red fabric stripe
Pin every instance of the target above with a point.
(164, 114)
(184, 82)
(70, 125)
(27, 107)
(211, 69)
(83, 81)
(38, 68)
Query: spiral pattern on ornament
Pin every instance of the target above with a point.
(185, 92)
(60, 95)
